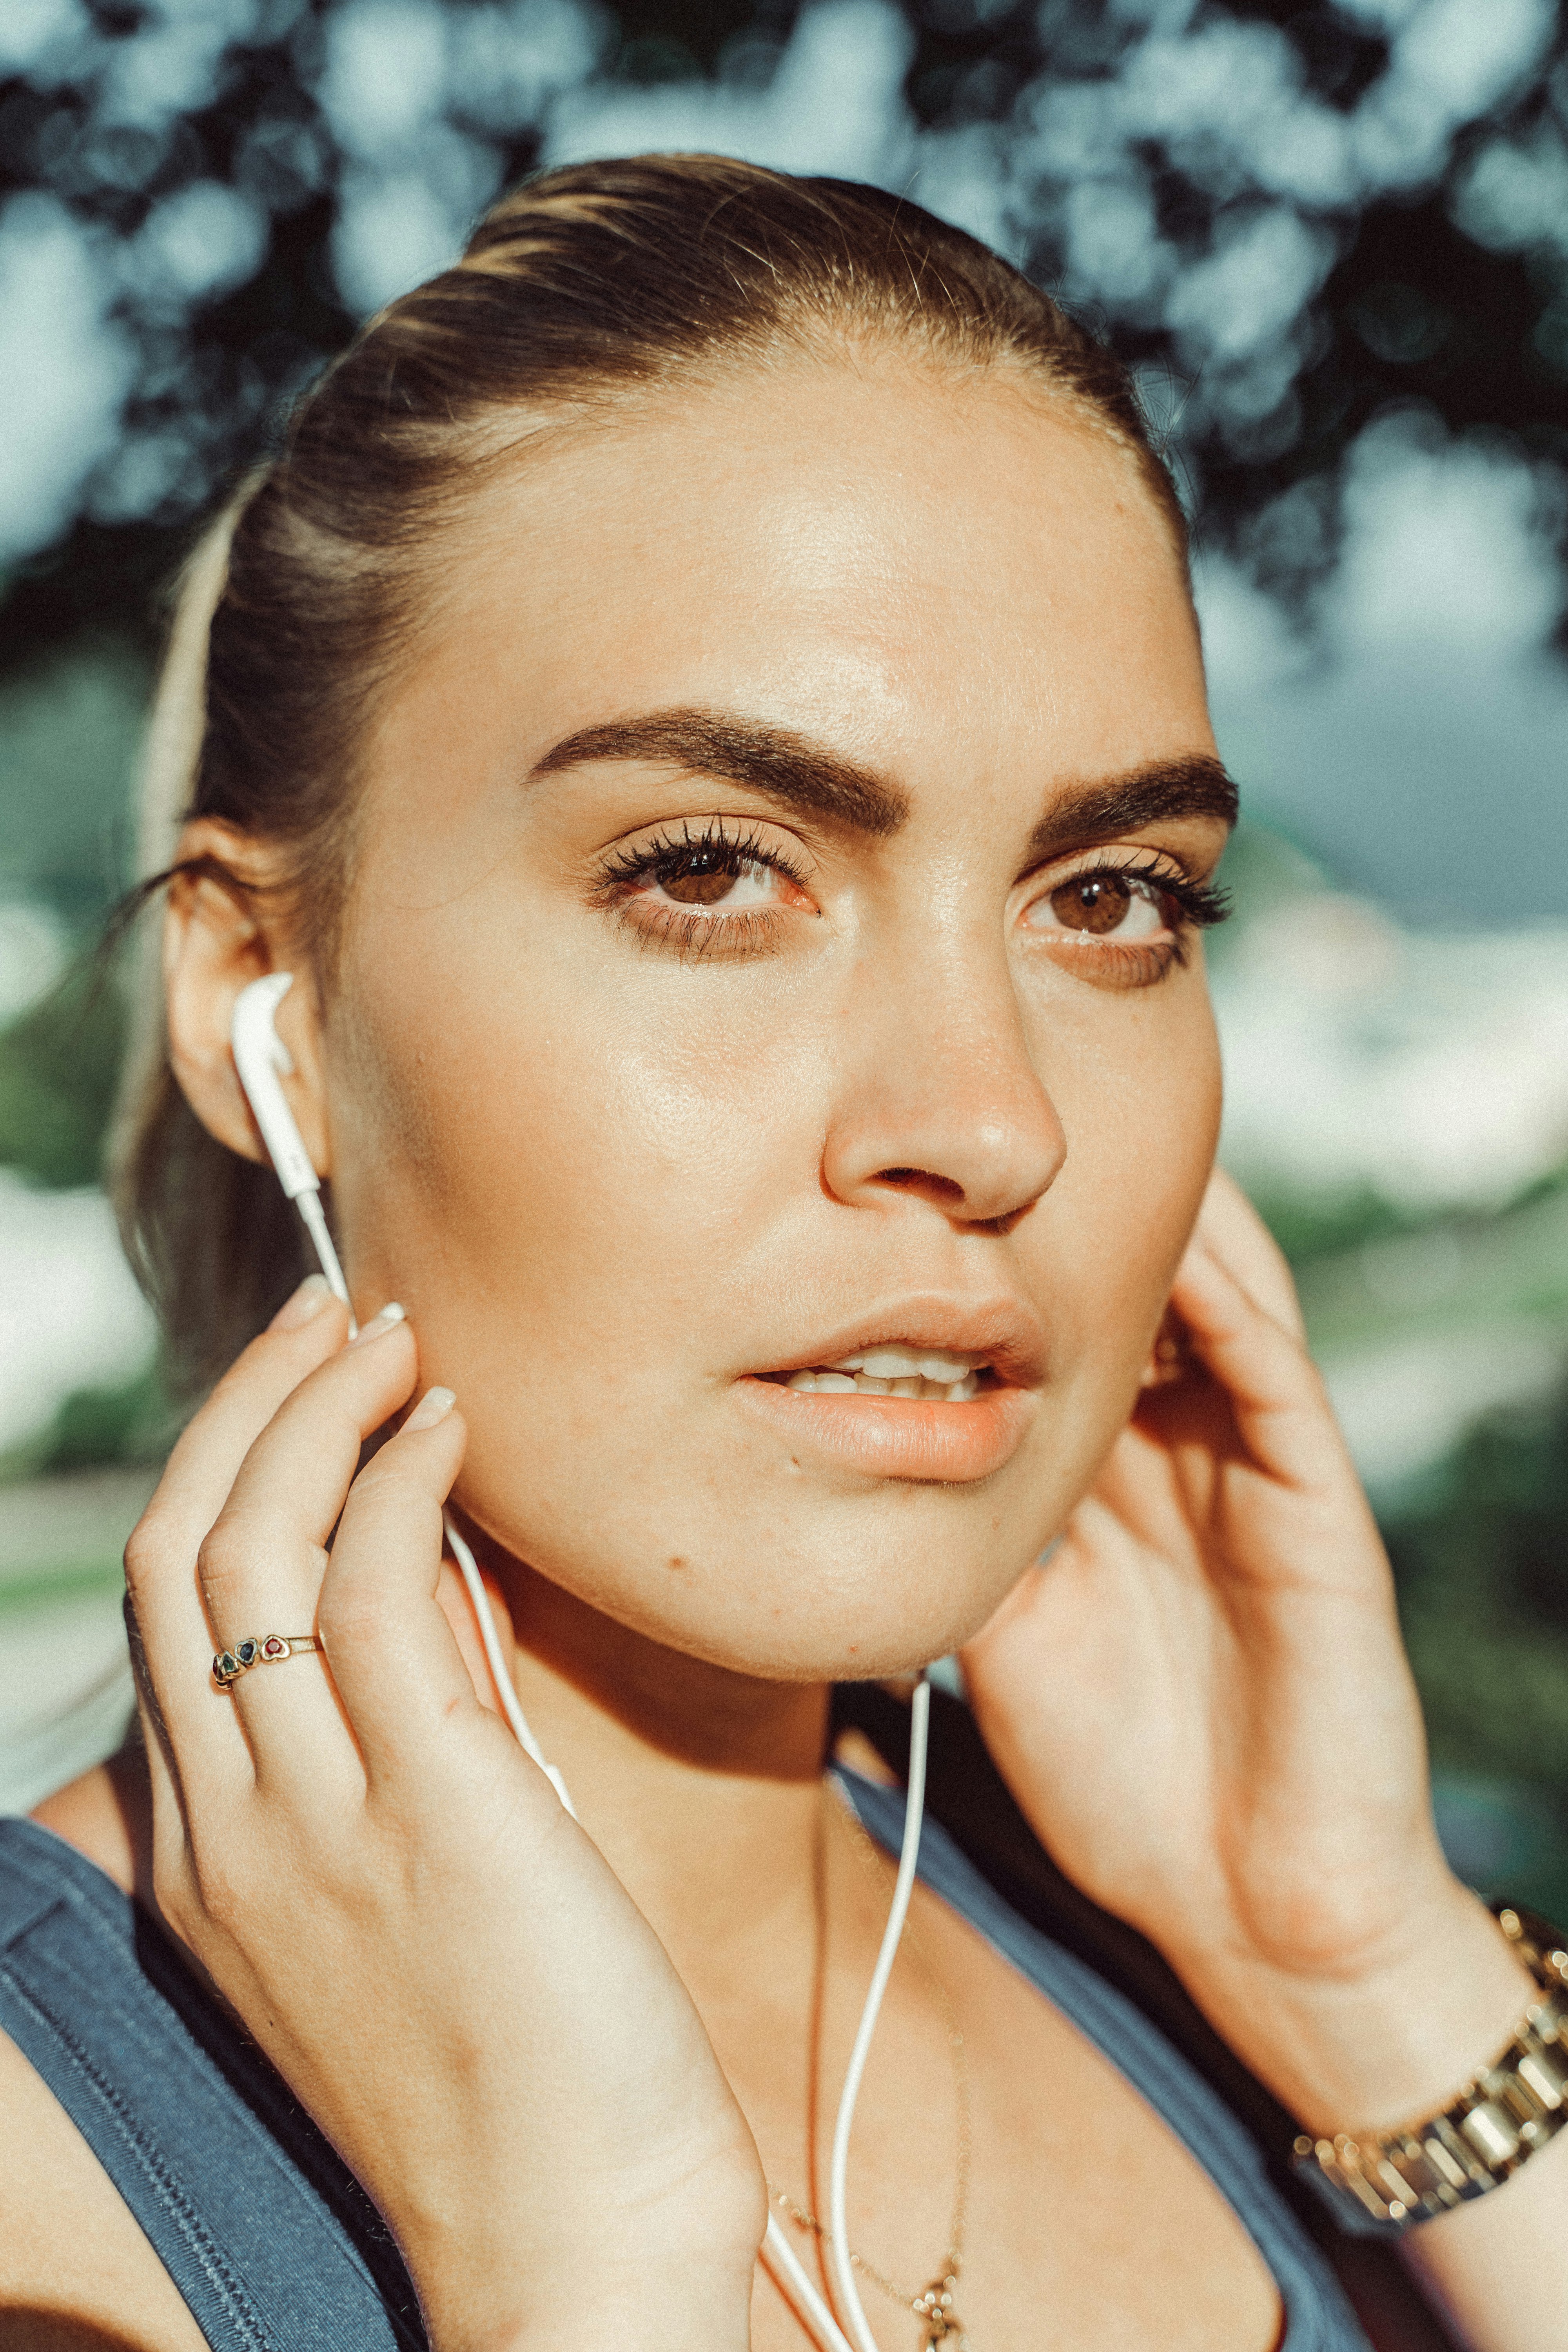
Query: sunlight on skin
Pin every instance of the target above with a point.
(678, 1184)
(615, 1177)
(941, 1079)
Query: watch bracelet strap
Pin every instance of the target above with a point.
(1383, 2184)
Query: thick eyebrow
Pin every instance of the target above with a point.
(1195, 786)
(783, 766)
(800, 775)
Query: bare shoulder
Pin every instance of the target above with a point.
(74, 2269)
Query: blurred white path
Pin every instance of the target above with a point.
(65, 1678)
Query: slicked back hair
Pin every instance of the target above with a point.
(583, 290)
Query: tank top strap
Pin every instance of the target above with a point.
(262, 2228)
(1318, 2317)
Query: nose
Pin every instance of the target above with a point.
(941, 1100)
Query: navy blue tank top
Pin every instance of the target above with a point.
(271, 2240)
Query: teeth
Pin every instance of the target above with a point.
(841, 1383)
(904, 1364)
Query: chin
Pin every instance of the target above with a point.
(785, 1564)
(812, 1590)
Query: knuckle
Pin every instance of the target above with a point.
(383, 1485)
(347, 1619)
(222, 1560)
(213, 1890)
(145, 1550)
(174, 1891)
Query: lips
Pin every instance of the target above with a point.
(839, 1399)
(998, 1335)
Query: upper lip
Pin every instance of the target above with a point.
(1002, 1332)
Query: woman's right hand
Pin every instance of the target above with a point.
(432, 1953)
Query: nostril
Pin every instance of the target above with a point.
(920, 1180)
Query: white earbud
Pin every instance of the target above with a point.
(261, 1056)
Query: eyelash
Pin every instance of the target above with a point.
(669, 855)
(1199, 906)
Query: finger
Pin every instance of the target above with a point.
(176, 1880)
(162, 1586)
(262, 1561)
(169, 1808)
(396, 1662)
(1230, 1227)
(452, 1599)
(1274, 1390)
(174, 1877)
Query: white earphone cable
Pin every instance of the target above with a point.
(309, 1204)
(778, 2252)
(502, 1678)
(838, 2236)
(793, 2283)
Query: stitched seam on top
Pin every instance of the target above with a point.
(98, 1909)
(24, 1926)
(375, 2262)
(230, 2289)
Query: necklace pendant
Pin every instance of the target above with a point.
(936, 2315)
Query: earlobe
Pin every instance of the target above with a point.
(215, 945)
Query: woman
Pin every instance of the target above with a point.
(709, 707)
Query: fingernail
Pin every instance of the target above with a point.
(308, 1299)
(391, 1316)
(432, 1407)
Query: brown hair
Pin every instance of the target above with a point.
(581, 291)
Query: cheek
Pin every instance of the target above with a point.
(1141, 1122)
(587, 1154)
(591, 1187)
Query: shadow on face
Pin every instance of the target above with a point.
(772, 1060)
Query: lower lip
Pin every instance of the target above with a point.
(895, 1437)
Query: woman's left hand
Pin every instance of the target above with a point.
(1202, 1704)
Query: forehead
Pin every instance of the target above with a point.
(937, 572)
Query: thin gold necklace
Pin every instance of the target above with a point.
(932, 2304)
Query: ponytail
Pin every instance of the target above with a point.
(208, 1233)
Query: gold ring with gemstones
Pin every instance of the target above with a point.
(259, 1650)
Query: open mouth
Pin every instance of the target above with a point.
(987, 1360)
(923, 1376)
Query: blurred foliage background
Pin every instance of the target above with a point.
(1334, 240)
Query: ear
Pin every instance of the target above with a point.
(217, 939)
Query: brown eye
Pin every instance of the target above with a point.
(703, 882)
(715, 884)
(1092, 902)
(1123, 910)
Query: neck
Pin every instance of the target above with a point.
(701, 1786)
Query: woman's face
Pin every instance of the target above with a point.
(770, 947)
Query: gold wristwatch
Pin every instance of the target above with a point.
(1501, 2118)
